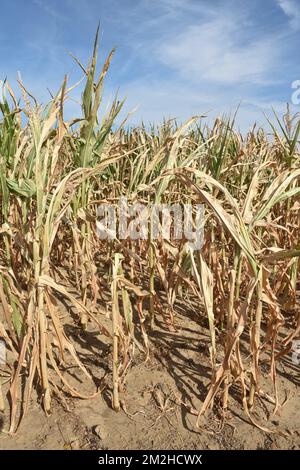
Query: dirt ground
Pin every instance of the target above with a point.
(157, 399)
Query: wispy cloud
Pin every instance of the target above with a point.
(292, 9)
(219, 50)
(49, 10)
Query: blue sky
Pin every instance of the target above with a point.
(175, 58)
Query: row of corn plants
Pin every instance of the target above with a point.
(53, 175)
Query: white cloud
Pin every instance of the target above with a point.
(218, 51)
(218, 59)
(292, 9)
(50, 11)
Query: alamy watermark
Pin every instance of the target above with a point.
(138, 221)
(2, 353)
(296, 352)
(296, 94)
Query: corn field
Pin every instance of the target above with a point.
(244, 281)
